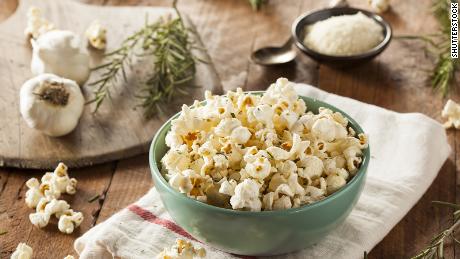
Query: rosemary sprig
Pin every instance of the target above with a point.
(435, 248)
(168, 45)
(174, 64)
(443, 73)
(257, 4)
(116, 62)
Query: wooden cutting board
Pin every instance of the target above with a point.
(119, 129)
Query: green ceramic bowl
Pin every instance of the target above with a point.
(258, 233)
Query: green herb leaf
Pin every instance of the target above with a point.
(435, 249)
(168, 44)
(257, 4)
(448, 204)
(443, 73)
(93, 198)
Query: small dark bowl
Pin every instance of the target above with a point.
(298, 33)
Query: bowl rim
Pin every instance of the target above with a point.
(370, 53)
(361, 173)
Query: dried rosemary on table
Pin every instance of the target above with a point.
(167, 43)
(436, 247)
(443, 73)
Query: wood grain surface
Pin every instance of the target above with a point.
(119, 129)
(230, 31)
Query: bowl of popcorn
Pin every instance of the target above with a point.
(259, 173)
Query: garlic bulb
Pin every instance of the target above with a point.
(51, 104)
(58, 52)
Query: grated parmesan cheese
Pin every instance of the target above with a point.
(344, 35)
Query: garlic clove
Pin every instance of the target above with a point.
(58, 52)
(51, 104)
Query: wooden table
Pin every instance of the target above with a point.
(231, 30)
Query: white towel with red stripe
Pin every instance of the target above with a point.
(407, 152)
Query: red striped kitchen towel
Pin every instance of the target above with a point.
(395, 182)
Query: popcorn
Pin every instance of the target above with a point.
(263, 114)
(294, 184)
(56, 206)
(246, 196)
(226, 126)
(39, 219)
(278, 153)
(352, 156)
(220, 161)
(173, 140)
(268, 200)
(69, 220)
(328, 130)
(96, 35)
(240, 135)
(284, 189)
(69, 257)
(45, 209)
(314, 192)
(297, 149)
(181, 183)
(334, 182)
(36, 24)
(286, 167)
(44, 197)
(276, 180)
(33, 195)
(310, 167)
(258, 169)
(177, 159)
(289, 118)
(451, 112)
(379, 6)
(182, 250)
(58, 182)
(260, 152)
(23, 251)
(71, 187)
(228, 187)
(282, 203)
(282, 90)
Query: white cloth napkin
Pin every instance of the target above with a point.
(407, 151)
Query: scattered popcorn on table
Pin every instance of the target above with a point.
(182, 250)
(96, 35)
(260, 152)
(69, 257)
(34, 194)
(23, 251)
(69, 220)
(44, 198)
(36, 24)
(451, 112)
(379, 6)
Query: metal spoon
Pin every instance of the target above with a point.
(275, 55)
(269, 56)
